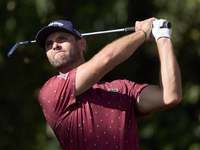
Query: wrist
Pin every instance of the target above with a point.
(145, 35)
(164, 39)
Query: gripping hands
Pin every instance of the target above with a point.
(159, 31)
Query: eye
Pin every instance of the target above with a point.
(61, 39)
(48, 45)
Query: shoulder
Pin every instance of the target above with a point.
(121, 85)
(58, 82)
(62, 77)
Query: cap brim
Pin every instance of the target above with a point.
(45, 32)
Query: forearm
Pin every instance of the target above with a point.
(115, 53)
(121, 49)
(170, 77)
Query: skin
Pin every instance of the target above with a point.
(65, 53)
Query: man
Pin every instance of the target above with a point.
(86, 113)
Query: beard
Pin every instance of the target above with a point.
(66, 60)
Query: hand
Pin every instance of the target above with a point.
(158, 31)
(146, 26)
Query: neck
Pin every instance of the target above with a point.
(69, 68)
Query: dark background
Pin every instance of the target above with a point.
(22, 124)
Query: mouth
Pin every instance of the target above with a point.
(59, 54)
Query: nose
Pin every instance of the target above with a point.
(56, 45)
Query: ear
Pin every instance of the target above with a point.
(82, 44)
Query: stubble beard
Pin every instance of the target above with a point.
(68, 60)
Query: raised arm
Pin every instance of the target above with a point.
(110, 56)
(169, 92)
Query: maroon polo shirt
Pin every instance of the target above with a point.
(102, 118)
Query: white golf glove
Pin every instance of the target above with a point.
(159, 31)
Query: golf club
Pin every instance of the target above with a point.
(127, 29)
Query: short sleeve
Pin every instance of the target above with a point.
(134, 90)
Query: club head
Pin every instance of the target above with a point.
(17, 44)
(13, 49)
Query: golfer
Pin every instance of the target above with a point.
(86, 113)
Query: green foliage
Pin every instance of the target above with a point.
(22, 123)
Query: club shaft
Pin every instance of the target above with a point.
(84, 34)
(110, 31)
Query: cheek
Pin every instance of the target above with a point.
(49, 55)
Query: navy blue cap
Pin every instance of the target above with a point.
(56, 26)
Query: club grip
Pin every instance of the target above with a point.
(129, 29)
(166, 25)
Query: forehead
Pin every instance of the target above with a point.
(55, 35)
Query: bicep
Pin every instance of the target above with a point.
(151, 99)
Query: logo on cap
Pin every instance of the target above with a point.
(56, 23)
